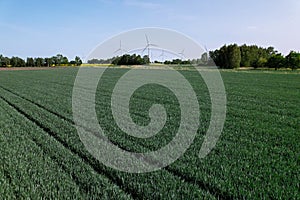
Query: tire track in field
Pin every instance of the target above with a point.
(201, 184)
(152, 162)
(38, 105)
(86, 160)
(35, 141)
(72, 123)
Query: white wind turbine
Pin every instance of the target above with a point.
(207, 54)
(148, 46)
(182, 55)
(120, 49)
(162, 56)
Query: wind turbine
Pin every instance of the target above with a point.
(83, 57)
(182, 54)
(148, 46)
(162, 55)
(207, 54)
(120, 49)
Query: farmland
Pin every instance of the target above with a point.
(257, 156)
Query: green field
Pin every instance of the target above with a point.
(257, 156)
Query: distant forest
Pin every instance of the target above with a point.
(234, 56)
(58, 60)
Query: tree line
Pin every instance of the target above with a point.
(227, 57)
(125, 59)
(58, 60)
(234, 56)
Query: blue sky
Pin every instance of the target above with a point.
(74, 27)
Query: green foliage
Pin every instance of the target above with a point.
(101, 61)
(4, 61)
(78, 61)
(249, 56)
(227, 57)
(48, 62)
(261, 62)
(293, 60)
(254, 56)
(276, 61)
(234, 56)
(131, 60)
(38, 62)
(58, 60)
(30, 62)
(177, 62)
(17, 62)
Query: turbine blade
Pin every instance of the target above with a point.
(147, 39)
(145, 49)
(117, 51)
(153, 45)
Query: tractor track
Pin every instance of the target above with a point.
(214, 191)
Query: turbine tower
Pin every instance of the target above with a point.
(207, 54)
(148, 45)
(162, 56)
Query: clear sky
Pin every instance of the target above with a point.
(74, 27)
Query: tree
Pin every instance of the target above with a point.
(1, 60)
(261, 62)
(130, 60)
(227, 57)
(64, 61)
(17, 62)
(233, 56)
(5, 62)
(146, 60)
(54, 60)
(38, 62)
(59, 59)
(293, 60)
(250, 56)
(48, 62)
(78, 61)
(30, 62)
(276, 61)
(247, 55)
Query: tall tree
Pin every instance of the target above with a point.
(39, 62)
(1, 60)
(64, 60)
(293, 60)
(30, 62)
(5, 62)
(78, 61)
(59, 58)
(146, 59)
(49, 62)
(234, 56)
(17, 62)
(276, 61)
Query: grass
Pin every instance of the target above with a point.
(256, 157)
